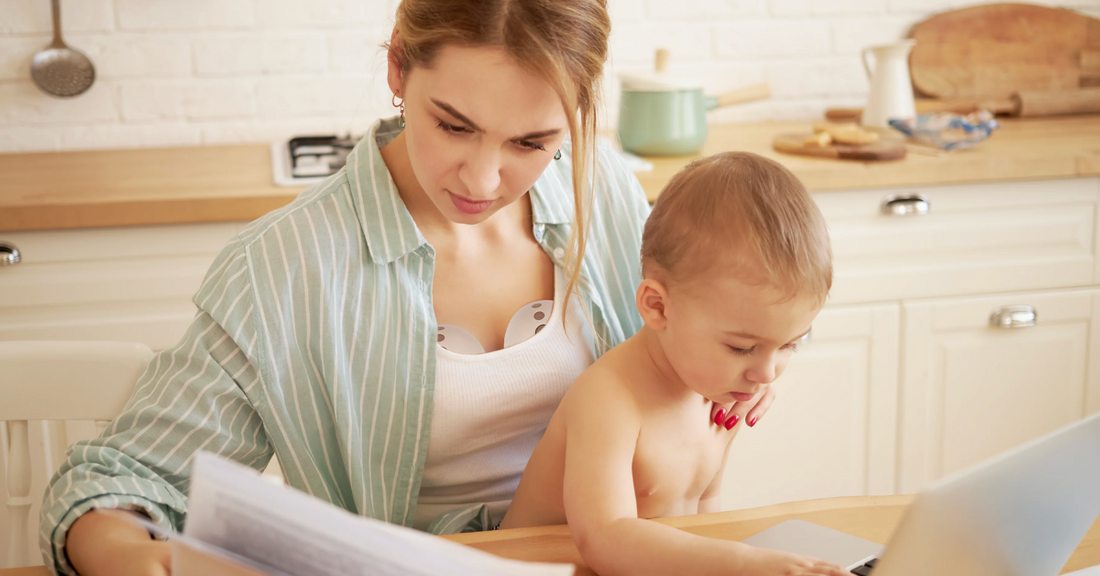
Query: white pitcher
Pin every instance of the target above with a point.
(891, 93)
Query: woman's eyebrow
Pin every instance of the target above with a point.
(450, 110)
(531, 136)
(537, 135)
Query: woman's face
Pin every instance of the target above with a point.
(479, 129)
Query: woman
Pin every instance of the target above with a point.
(322, 332)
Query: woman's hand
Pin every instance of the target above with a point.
(728, 415)
(103, 543)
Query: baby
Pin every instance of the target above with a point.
(736, 266)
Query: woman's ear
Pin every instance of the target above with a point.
(652, 301)
(394, 74)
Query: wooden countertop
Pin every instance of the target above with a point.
(870, 517)
(138, 187)
(228, 183)
(1022, 149)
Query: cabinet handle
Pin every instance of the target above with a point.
(1013, 317)
(9, 254)
(906, 205)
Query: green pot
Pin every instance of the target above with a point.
(664, 122)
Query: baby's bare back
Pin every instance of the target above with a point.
(677, 458)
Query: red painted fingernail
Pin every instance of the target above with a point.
(732, 421)
(721, 415)
(752, 422)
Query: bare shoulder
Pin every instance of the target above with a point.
(603, 392)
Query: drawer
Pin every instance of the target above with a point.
(66, 267)
(124, 280)
(974, 239)
(99, 244)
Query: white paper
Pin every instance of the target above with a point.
(188, 554)
(1094, 571)
(231, 508)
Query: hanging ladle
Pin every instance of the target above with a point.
(60, 70)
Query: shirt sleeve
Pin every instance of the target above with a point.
(200, 395)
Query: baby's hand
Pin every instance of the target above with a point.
(762, 562)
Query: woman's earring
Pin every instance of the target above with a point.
(401, 106)
(557, 155)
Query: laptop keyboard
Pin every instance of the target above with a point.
(866, 568)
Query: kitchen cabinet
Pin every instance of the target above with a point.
(831, 432)
(971, 390)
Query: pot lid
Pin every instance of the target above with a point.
(657, 82)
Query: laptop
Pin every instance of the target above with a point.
(1021, 513)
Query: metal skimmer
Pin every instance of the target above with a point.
(60, 70)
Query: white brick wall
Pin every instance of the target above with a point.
(197, 15)
(189, 72)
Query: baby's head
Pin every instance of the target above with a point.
(736, 265)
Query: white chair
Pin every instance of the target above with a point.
(54, 381)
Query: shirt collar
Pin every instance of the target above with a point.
(552, 194)
(388, 227)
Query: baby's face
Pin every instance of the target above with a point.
(727, 339)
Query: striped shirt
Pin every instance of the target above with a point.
(315, 340)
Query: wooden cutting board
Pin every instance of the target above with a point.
(993, 50)
(881, 150)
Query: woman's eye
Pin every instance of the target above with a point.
(531, 145)
(793, 347)
(452, 129)
(741, 351)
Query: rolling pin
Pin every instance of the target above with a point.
(1023, 104)
(1083, 101)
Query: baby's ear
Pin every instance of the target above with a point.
(652, 299)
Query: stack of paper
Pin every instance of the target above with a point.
(240, 525)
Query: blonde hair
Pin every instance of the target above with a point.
(562, 41)
(743, 212)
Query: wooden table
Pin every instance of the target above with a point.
(870, 517)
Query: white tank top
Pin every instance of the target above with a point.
(490, 411)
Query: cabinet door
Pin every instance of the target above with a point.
(831, 431)
(970, 391)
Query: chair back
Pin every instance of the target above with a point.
(44, 382)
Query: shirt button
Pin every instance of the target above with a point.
(559, 253)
